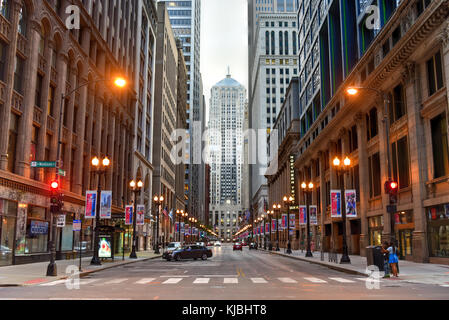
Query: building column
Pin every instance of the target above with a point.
(5, 112)
(418, 160)
(26, 121)
(363, 180)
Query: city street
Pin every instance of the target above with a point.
(228, 275)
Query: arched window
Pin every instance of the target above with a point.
(5, 8)
(286, 41)
(23, 21)
(281, 46)
(272, 42)
(267, 42)
(42, 41)
(294, 42)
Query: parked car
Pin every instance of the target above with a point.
(237, 246)
(202, 244)
(172, 246)
(210, 244)
(83, 246)
(244, 243)
(5, 250)
(190, 252)
(217, 244)
(253, 245)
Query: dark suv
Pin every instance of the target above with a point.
(190, 252)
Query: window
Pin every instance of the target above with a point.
(51, 101)
(397, 104)
(18, 75)
(5, 8)
(23, 21)
(353, 143)
(400, 158)
(3, 55)
(371, 124)
(12, 142)
(434, 74)
(38, 95)
(374, 175)
(439, 146)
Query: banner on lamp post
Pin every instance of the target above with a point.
(105, 204)
(292, 221)
(140, 215)
(313, 215)
(267, 228)
(351, 200)
(129, 215)
(273, 225)
(284, 221)
(91, 204)
(335, 203)
(182, 227)
(302, 215)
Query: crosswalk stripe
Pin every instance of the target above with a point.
(201, 280)
(315, 280)
(53, 283)
(115, 281)
(343, 280)
(87, 281)
(369, 279)
(258, 280)
(287, 280)
(145, 280)
(172, 281)
(444, 285)
(230, 280)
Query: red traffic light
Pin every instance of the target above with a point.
(54, 185)
(393, 185)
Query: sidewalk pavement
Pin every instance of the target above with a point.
(35, 273)
(411, 271)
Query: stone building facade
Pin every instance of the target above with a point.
(408, 63)
(42, 60)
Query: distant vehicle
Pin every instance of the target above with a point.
(237, 246)
(190, 252)
(244, 243)
(201, 244)
(217, 244)
(210, 243)
(5, 250)
(172, 246)
(253, 245)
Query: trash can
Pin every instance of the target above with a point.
(375, 257)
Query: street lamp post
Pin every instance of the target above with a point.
(304, 187)
(278, 207)
(99, 172)
(135, 188)
(158, 200)
(342, 169)
(264, 233)
(288, 201)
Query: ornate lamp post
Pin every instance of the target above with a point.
(158, 200)
(184, 216)
(96, 164)
(179, 214)
(307, 189)
(264, 233)
(342, 169)
(288, 201)
(278, 207)
(135, 188)
(270, 214)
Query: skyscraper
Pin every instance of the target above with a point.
(226, 124)
(185, 19)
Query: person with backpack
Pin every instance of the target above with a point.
(386, 254)
(393, 259)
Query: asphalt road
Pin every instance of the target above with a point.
(228, 275)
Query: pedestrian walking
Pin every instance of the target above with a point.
(393, 259)
(386, 254)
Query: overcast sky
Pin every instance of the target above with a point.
(224, 30)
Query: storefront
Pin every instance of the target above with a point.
(403, 227)
(375, 228)
(8, 214)
(438, 230)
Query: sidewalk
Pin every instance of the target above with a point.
(34, 273)
(412, 271)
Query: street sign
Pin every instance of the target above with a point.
(76, 225)
(43, 164)
(61, 172)
(61, 221)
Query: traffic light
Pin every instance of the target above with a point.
(54, 197)
(391, 188)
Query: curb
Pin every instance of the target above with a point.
(336, 267)
(83, 273)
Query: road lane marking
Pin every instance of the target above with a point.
(230, 280)
(201, 280)
(287, 280)
(116, 281)
(315, 280)
(258, 280)
(172, 281)
(174, 276)
(444, 285)
(87, 281)
(145, 280)
(48, 284)
(342, 280)
(369, 279)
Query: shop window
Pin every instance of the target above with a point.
(401, 167)
(8, 212)
(375, 227)
(439, 146)
(374, 175)
(37, 230)
(438, 230)
(434, 73)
